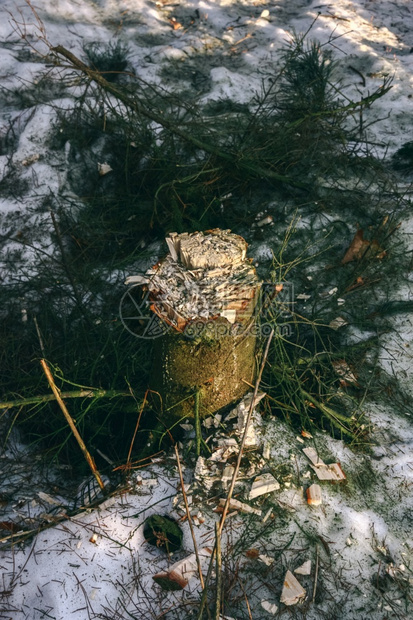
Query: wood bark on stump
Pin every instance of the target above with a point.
(206, 292)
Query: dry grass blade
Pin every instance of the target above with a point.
(128, 461)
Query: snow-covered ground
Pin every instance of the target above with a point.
(360, 539)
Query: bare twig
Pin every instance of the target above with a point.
(69, 420)
(316, 573)
(244, 436)
(218, 573)
(188, 514)
(39, 335)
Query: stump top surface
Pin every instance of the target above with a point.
(205, 275)
(211, 250)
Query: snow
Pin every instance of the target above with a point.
(362, 526)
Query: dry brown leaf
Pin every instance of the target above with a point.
(357, 248)
(252, 553)
(360, 247)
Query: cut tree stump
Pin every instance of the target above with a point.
(206, 292)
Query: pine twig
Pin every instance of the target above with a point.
(46, 398)
(69, 420)
(128, 461)
(211, 148)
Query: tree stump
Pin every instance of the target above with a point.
(206, 292)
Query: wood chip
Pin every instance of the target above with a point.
(266, 220)
(314, 497)
(292, 591)
(227, 475)
(337, 323)
(236, 505)
(266, 483)
(270, 608)
(267, 515)
(265, 559)
(304, 569)
(329, 472)
(312, 455)
(104, 169)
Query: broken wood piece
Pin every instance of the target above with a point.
(292, 591)
(304, 569)
(206, 473)
(323, 471)
(329, 472)
(236, 505)
(337, 323)
(227, 475)
(178, 575)
(267, 515)
(314, 497)
(312, 455)
(242, 410)
(265, 483)
(226, 447)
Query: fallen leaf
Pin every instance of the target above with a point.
(252, 553)
(361, 247)
(357, 248)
